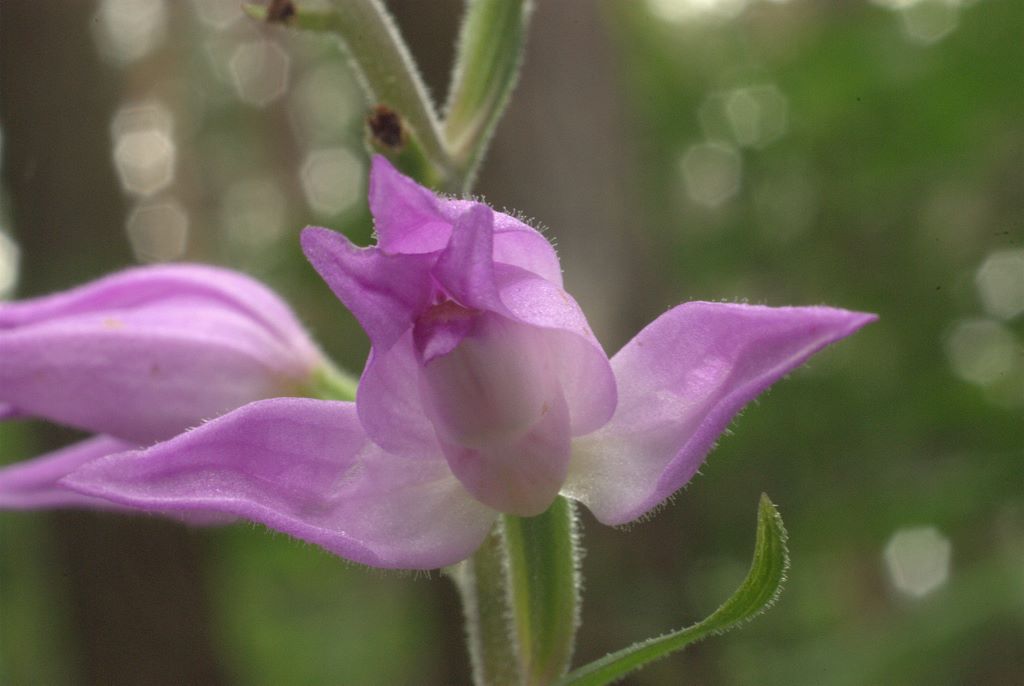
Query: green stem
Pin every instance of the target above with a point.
(520, 592)
(482, 586)
(388, 73)
(543, 586)
(330, 383)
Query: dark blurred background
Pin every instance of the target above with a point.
(868, 155)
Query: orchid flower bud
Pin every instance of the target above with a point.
(144, 354)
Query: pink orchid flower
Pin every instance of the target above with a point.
(485, 393)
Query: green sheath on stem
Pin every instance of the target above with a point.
(487, 62)
(543, 573)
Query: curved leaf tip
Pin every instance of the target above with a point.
(757, 593)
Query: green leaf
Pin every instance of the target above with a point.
(756, 594)
(487, 62)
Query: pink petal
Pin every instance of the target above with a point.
(411, 219)
(578, 359)
(303, 467)
(519, 245)
(465, 269)
(383, 291)
(406, 216)
(32, 484)
(515, 243)
(681, 380)
(144, 374)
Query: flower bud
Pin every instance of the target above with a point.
(145, 353)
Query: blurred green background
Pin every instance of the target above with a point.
(868, 155)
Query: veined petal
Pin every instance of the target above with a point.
(7, 412)
(681, 380)
(578, 359)
(303, 467)
(144, 374)
(406, 216)
(384, 291)
(32, 484)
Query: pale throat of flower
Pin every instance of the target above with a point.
(483, 375)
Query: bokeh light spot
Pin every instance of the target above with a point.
(9, 261)
(711, 172)
(252, 213)
(218, 14)
(259, 72)
(683, 10)
(1000, 283)
(918, 560)
(126, 30)
(981, 351)
(757, 114)
(929, 21)
(144, 151)
(323, 104)
(332, 180)
(158, 232)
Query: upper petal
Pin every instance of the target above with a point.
(411, 219)
(521, 246)
(465, 269)
(406, 216)
(306, 468)
(384, 291)
(681, 380)
(144, 374)
(516, 243)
